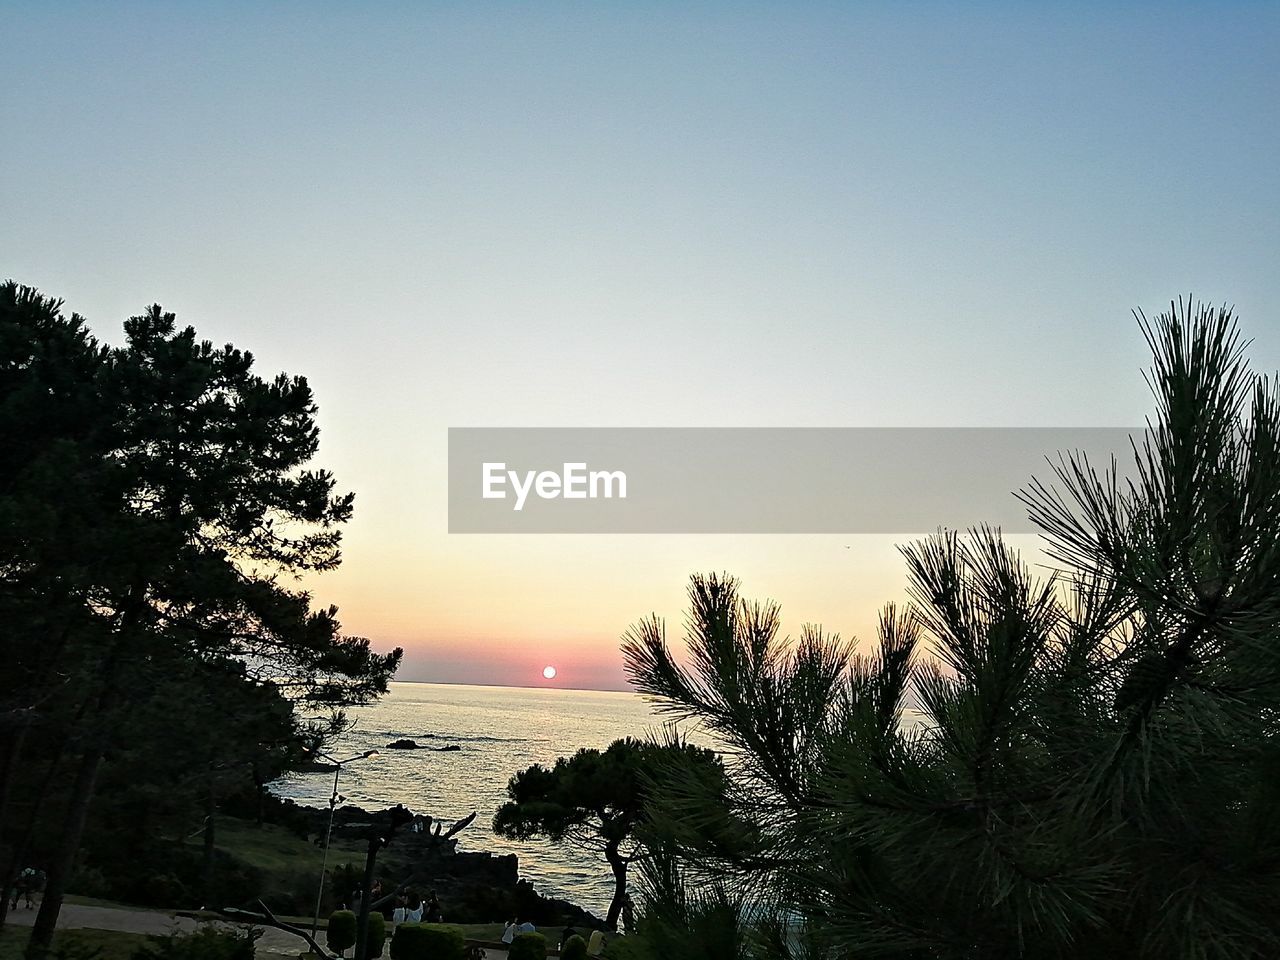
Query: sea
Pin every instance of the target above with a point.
(500, 731)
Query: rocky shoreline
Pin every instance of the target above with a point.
(474, 887)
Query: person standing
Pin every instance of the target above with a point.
(414, 914)
(432, 912)
(511, 930)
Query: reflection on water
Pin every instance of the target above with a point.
(500, 730)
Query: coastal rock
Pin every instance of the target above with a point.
(404, 744)
(475, 887)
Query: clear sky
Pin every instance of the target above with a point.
(641, 215)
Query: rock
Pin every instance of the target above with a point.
(404, 744)
(474, 886)
(449, 749)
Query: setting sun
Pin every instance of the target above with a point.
(549, 672)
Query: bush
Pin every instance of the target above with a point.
(624, 948)
(90, 882)
(164, 889)
(341, 935)
(89, 944)
(427, 941)
(207, 943)
(528, 946)
(575, 948)
(376, 935)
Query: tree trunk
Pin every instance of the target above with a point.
(82, 798)
(9, 852)
(20, 839)
(362, 920)
(261, 793)
(618, 864)
(10, 749)
(210, 850)
(64, 859)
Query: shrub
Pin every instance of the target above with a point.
(90, 882)
(341, 935)
(89, 944)
(427, 941)
(528, 946)
(206, 943)
(163, 889)
(376, 935)
(68, 946)
(624, 948)
(575, 948)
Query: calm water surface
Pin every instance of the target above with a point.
(500, 730)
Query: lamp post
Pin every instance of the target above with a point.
(334, 799)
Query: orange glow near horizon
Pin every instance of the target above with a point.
(499, 610)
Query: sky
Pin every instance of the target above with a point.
(649, 214)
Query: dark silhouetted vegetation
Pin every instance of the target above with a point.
(205, 943)
(594, 799)
(340, 934)
(427, 941)
(156, 501)
(1088, 765)
(528, 946)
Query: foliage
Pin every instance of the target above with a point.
(376, 933)
(594, 799)
(427, 941)
(1093, 767)
(625, 948)
(205, 943)
(157, 506)
(82, 943)
(685, 921)
(528, 946)
(340, 933)
(575, 948)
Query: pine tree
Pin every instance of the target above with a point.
(1079, 764)
(188, 475)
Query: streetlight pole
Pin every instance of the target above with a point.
(334, 798)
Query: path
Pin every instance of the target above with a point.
(74, 916)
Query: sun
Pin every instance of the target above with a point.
(549, 672)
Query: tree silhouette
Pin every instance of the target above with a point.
(594, 799)
(1094, 768)
(186, 477)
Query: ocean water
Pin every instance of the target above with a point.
(500, 731)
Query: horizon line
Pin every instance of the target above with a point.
(521, 686)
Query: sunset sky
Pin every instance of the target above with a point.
(642, 215)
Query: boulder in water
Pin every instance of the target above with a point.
(403, 744)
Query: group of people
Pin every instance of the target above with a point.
(27, 884)
(408, 907)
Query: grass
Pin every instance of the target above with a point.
(481, 931)
(113, 944)
(280, 852)
(284, 858)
